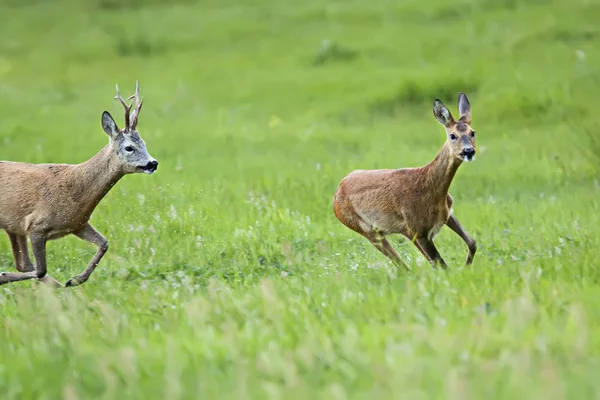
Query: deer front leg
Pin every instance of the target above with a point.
(460, 231)
(430, 252)
(418, 246)
(89, 234)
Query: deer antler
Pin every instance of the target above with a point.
(138, 105)
(127, 108)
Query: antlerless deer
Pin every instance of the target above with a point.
(48, 201)
(413, 202)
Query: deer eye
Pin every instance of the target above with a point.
(452, 136)
(472, 133)
(129, 149)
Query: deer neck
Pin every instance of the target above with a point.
(93, 179)
(441, 170)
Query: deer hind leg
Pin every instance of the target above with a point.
(430, 252)
(38, 243)
(378, 240)
(8, 277)
(20, 252)
(350, 218)
(89, 234)
(23, 262)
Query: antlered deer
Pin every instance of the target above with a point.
(413, 202)
(48, 201)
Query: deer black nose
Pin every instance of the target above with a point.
(468, 152)
(152, 165)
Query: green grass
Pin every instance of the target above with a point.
(228, 275)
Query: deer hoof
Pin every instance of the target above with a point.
(75, 281)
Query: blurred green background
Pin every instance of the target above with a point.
(228, 275)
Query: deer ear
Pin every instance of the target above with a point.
(442, 114)
(464, 108)
(109, 125)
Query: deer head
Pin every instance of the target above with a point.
(460, 135)
(126, 143)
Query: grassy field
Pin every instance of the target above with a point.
(228, 275)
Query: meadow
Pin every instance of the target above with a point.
(228, 275)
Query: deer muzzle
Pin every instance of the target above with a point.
(468, 153)
(150, 167)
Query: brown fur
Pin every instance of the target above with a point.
(56, 199)
(413, 202)
(49, 201)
